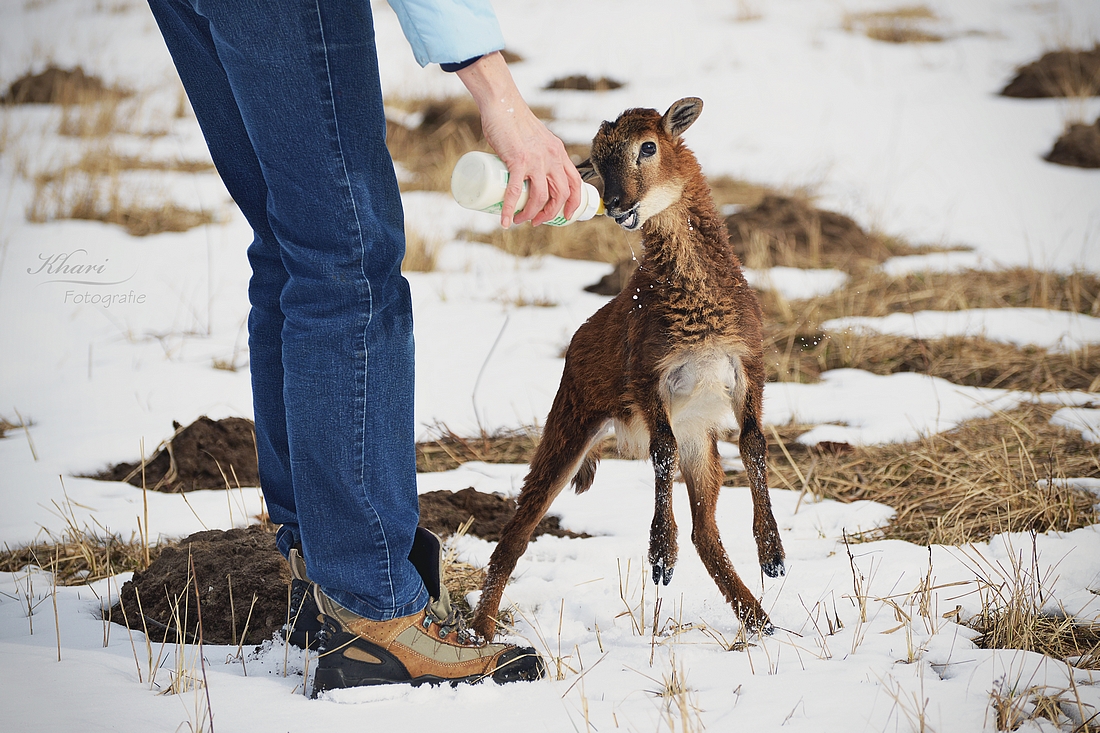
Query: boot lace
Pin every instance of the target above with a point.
(453, 623)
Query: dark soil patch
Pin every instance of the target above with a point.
(1058, 74)
(511, 57)
(245, 560)
(584, 83)
(206, 454)
(444, 511)
(60, 86)
(1078, 146)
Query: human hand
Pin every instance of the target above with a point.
(531, 152)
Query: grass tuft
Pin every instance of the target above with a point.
(584, 83)
(1006, 473)
(79, 558)
(1014, 614)
(56, 85)
(92, 189)
(421, 252)
(798, 350)
(905, 24)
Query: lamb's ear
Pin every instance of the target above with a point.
(680, 116)
(587, 170)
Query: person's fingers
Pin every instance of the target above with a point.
(537, 195)
(558, 196)
(511, 197)
(572, 188)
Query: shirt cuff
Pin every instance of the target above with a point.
(460, 65)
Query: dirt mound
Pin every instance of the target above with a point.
(784, 231)
(584, 83)
(1078, 146)
(1058, 74)
(247, 562)
(787, 231)
(59, 86)
(206, 454)
(443, 511)
(244, 560)
(616, 280)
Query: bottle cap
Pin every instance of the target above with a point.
(592, 203)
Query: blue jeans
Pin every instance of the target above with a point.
(288, 98)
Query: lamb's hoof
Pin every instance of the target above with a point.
(759, 624)
(774, 568)
(662, 575)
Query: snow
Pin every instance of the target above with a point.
(910, 140)
(1051, 330)
(793, 283)
(1085, 419)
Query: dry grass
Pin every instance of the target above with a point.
(798, 350)
(6, 425)
(92, 189)
(600, 240)
(448, 450)
(788, 230)
(445, 130)
(1001, 474)
(584, 83)
(1065, 72)
(905, 24)
(79, 558)
(1014, 600)
(421, 252)
(974, 362)
(55, 85)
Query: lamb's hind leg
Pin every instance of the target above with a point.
(560, 453)
(703, 474)
(754, 454)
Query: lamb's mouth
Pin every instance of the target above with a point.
(629, 220)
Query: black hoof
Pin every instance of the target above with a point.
(775, 568)
(662, 575)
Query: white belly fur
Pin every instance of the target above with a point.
(698, 388)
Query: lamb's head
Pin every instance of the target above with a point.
(642, 161)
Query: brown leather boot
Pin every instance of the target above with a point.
(432, 646)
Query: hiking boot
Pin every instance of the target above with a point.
(304, 626)
(432, 646)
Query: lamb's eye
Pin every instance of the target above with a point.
(648, 149)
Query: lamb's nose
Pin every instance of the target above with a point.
(613, 202)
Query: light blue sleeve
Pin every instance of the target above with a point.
(448, 31)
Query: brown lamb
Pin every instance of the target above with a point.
(665, 362)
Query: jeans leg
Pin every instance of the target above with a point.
(333, 354)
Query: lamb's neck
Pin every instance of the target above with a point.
(684, 240)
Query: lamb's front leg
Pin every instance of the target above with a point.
(662, 533)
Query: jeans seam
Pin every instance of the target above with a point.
(370, 295)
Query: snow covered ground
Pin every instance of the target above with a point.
(910, 139)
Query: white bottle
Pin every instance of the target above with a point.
(479, 180)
